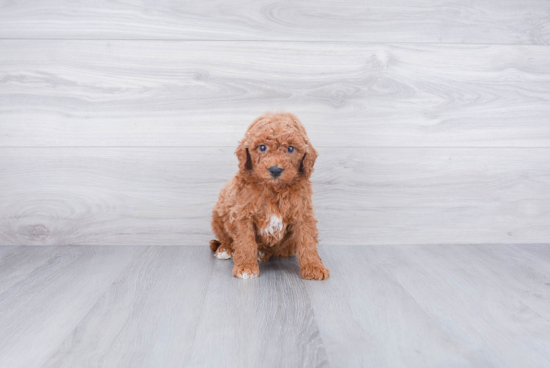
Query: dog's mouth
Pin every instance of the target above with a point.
(275, 180)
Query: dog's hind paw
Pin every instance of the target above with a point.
(222, 254)
(263, 257)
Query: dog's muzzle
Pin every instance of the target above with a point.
(275, 171)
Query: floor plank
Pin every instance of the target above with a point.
(432, 306)
(41, 309)
(266, 321)
(541, 251)
(147, 318)
(526, 282)
(164, 196)
(18, 263)
(479, 298)
(155, 93)
(453, 21)
(367, 319)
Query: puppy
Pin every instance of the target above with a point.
(266, 209)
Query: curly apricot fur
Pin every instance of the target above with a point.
(258, 212)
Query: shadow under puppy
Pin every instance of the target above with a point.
(266, 209)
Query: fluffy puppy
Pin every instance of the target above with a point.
(266, 209)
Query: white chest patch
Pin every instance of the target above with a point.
(275, 225)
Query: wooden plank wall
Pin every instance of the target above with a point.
(118, 120)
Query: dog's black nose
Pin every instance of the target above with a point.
(275, 171)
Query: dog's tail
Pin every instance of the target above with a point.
(214, 244)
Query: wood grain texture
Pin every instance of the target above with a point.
(455, 21)
(154, 93)
(383, 306)
(541, 251)
(511, 310)
(262, 322)
(42, 308)
(164, 196)
(367, 319)
(17, 264)
(118, 122)
(147, 318)
(434, 306)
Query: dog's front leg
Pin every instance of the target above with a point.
(245, 253)
(311, 266)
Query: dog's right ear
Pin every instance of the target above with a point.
(245, 162)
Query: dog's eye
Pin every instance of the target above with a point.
(262, 148)
(290, 149)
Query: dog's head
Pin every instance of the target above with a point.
(276, 150)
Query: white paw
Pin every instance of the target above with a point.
(260, 255)
(245, 275)
(223, 255)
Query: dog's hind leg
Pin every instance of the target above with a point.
(214, 245)
(222, 248)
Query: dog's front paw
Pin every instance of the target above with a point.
(314, 271)
(246, 271)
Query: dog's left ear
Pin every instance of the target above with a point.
(308, 160)
(245, 162)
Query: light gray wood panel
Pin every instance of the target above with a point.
(452, 21)
(18, 263)
(262, 322)
(524, 288)
(383, 306)
(367, 319)
(541, 251)
(430, 196)
(148, 317)
(41, 309)
(164, 196)
(110, 196)
(485, 295)
(433, 306)
(155, 93)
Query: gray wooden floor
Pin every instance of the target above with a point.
(383, 306)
